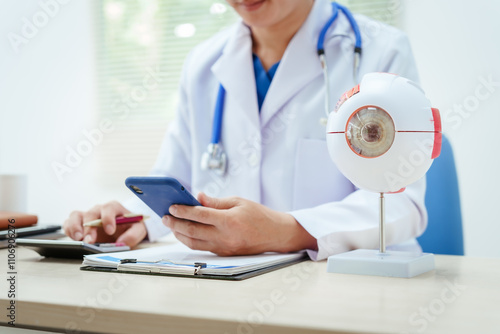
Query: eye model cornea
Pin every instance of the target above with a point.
(370, 132)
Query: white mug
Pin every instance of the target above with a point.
(13, 192)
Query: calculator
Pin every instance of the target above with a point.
(69, 249)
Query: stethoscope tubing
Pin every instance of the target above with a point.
(219, 111)
(219, 105)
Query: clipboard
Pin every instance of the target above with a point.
(238, 277)
(178, 260)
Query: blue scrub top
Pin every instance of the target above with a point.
(262, 78)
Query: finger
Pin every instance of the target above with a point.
(217, 203)
(90, 235)
(109, 212)
(198, 214)
(73, 225)
(135, 234)
(92, 214)
(193, 243)
(190, 229)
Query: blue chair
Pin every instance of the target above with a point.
(444, 233)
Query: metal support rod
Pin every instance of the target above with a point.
(382, 223)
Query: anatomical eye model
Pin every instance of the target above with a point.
(383, 135)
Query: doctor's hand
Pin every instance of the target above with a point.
(129, 234)
(235, 226)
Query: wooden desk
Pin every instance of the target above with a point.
(461, 296)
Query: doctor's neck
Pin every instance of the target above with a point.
(273, 25)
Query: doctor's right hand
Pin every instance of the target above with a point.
(129, 234)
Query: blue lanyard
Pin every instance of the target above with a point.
(219, 105)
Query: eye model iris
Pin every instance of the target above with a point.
(370, 132)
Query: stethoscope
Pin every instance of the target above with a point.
(215, 159)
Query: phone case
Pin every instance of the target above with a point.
(159, 193)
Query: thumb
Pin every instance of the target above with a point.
(217, 203)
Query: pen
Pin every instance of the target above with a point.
(126, 218)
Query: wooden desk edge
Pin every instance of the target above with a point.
(71, 319)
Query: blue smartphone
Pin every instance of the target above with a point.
(159, 193)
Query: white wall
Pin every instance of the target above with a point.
(456, 49)
(47, 98)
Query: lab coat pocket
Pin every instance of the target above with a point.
(316, 178)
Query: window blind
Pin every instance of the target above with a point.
(140, 49)
(387, 11)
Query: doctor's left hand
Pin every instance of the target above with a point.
(235, 226)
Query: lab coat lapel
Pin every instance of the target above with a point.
(300, 63)
(234, 70)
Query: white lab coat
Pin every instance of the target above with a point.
(279, 157)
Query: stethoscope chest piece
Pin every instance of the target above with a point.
(214, 159)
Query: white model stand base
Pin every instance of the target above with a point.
(374, 263)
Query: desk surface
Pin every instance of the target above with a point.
(461, 296)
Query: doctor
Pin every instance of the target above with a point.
(280, 191)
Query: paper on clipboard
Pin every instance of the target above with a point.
(179, 259)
